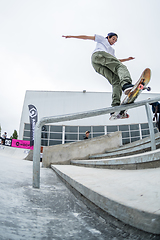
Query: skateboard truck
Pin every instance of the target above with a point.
(141, 87)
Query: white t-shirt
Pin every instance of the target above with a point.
(103, 45)
(4, 136)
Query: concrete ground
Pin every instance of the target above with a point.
(53, 211)
(133, 196)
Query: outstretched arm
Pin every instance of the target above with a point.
(84, 37)
(126, 59)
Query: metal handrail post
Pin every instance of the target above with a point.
(36, 157)
(151, 128)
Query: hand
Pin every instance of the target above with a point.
(66, 36)
(131, 58)
(126, 59)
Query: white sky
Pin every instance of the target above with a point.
(34, 56)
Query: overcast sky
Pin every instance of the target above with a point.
(34, 56)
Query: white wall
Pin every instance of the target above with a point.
(50, 103)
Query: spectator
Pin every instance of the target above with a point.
(4, 136)
(87, 135)
(156, 110)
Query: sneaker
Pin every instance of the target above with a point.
(127, 88)
(113, 115)
(122, 112)
(122, 115)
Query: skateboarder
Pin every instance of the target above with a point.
(105, 63)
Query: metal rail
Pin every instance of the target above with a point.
(69, 117)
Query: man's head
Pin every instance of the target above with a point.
(112, 38)
(87, 133)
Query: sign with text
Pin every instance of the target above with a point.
(33, 115)
(21, 144)
(8, 142)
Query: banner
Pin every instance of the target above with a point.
(21, 144)
(33, 115)
(8, 142)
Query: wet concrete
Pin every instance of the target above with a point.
(53, 211)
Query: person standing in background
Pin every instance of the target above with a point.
(87, 135)
(4, 136)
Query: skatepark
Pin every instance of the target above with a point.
(66, 70)
(85, 190)
(86, 202)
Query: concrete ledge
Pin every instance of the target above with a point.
(131, 196)
(139, 146)
(138, 143)
(64, 153)
(29, 157)
(139, 161)
(125, 152)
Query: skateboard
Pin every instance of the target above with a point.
(139, 86)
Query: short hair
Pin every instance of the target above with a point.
(111, 34)
(87, 132)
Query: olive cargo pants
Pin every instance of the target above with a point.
(116, 73)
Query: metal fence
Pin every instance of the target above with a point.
(60, 134)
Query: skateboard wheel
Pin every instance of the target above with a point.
(148, 88)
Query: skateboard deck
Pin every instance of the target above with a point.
(139, 86)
